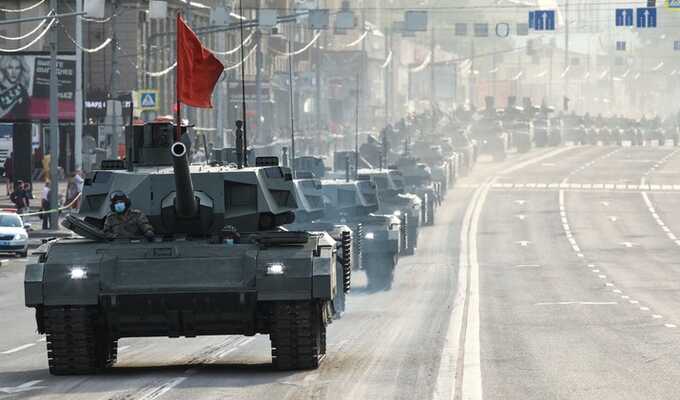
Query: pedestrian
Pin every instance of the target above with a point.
(45, 206)
(72, 192)
(20, 198)
(9, 171)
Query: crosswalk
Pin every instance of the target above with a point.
(609, 187)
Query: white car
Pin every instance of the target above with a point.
(13, 235)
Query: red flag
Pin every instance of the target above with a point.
(197, 69)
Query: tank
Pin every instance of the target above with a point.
(417, 178)
(393, 199)
(355, 204)
(220, 263)
(310, 216)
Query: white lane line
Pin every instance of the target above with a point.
(670, 325)
(24, 387)
(633, 302)
(618, 291)
(527, 266)
(17, 349)
(580, 303)
(657, 316)
(472, 364)
(445, 388)
(523, 243)
(160, 390)
(644, 308)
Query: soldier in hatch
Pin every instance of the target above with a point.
(125, 222)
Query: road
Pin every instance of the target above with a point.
(554, 274)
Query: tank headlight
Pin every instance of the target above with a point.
(78, 273)
(276, 269)
(370, 236)
(20, 236)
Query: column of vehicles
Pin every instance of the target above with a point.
(240, 245)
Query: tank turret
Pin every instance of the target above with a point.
(187, 199)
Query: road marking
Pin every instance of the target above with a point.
(617, 291)
(657, 316)
(625, 297)
(158, 391)
(644, 308)
(527, 266)
(523, 243)
(628, 244)
(24, 387)
(17, 349)
(609, 284)
(613, 218)
(580, 303)
(670, 325)
(449, 366)
(602, 276)
(520, 202)
(521, 217)
(633, 302)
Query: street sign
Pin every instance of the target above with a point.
(319, 19)
(522, 29)
(147, 100)
(481, 30)
(620, 46)
(461, 29)
(646, 17)
(624, 17)
(543, 20)
(415, 21)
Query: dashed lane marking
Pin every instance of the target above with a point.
(580, 303)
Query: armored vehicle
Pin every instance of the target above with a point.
(491, 137)
(310, 216)
(355, 203)
(417, 179)
(392, 199)
(219, 263)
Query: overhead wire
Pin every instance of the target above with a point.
(302, 50)
(29, 8)
(103, 45)
(34, 41)
(24, 36)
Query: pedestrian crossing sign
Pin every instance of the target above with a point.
(147, 100)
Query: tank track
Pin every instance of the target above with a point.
(298, 335)
(404, 234)
(74, 344)
(346, 260)
(358, 239)
(430, 212)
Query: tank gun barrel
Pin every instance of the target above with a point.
(185, 201)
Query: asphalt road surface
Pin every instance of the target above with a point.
(552, 275)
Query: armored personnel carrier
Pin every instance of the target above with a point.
(218, 265)
(355, 203)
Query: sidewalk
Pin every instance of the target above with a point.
(36, 234)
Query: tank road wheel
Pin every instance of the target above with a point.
(298, 335)
(75, 343)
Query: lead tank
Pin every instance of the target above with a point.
(219, 264)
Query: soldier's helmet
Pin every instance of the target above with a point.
(118, 196)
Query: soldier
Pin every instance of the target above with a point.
(124, 221)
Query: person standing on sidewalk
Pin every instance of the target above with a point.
(20, 198)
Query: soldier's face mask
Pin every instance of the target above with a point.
(119, 207)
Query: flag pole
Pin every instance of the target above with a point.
(178, 128)
(243, 89)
